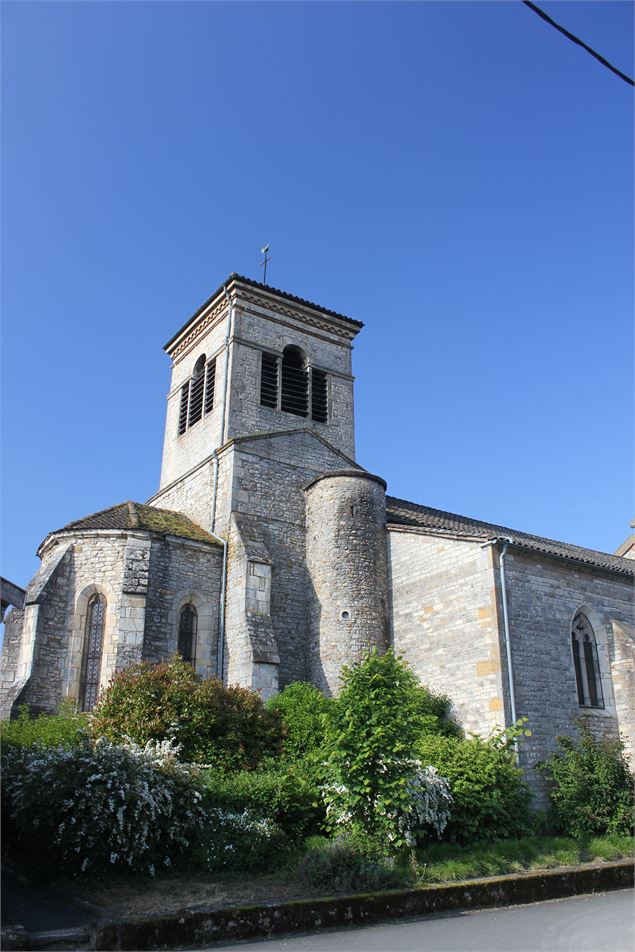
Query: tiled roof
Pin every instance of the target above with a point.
(401, 513)
(135, 515)
(264, 287)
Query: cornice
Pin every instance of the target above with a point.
(269, 301)
(197, 329)
(298, 313)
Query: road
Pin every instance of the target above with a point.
(600, 923)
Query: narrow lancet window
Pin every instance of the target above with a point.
(93, 648)
(269, 381)
(210, 384)
(294, 396)
(185, 399)
(188, 623)
(319, 396)
(586, 663)
(197, 386)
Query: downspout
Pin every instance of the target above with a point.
(508, 649)
(220, 647)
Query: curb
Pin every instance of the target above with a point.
(262, 920)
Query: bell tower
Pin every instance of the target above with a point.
(252, 360)
(261, 403)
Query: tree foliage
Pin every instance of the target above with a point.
(490, 797)
(591, 786)
(371, 742)
(213, 723)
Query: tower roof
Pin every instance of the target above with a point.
(275, 292)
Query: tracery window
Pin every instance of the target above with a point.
(287, 383)
(585, 662)
(197, 393)
(188, 624)
(93, 648)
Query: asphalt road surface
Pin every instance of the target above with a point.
(599, 923)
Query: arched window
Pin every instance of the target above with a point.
(188, 623)
(93, 647)
(585, 662)
(197, 393)
(288, 383)
(294, 396)
(197, 387)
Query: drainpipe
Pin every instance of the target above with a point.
(508, 650)
(220, 648)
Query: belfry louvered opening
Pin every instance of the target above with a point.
(287, 383)
(294, 393)
(197, 389)
(269, 381)
(197, 393)
(319, 396)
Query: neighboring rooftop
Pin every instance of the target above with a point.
(262, 287)
(136, 515)
(401, 513)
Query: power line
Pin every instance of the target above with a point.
(575, 39)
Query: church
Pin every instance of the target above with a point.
(268, 555)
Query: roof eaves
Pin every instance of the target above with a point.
(234, 277)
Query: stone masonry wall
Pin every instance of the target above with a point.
(346, 559)
(444, 622)
(45, 686)
(10, 684)
(182, 572)
(255, 328)
(182, 453)
(543, 597)
(267, 479)
(190, 495)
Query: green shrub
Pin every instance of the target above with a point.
(591, 786)
(305, 712)
(64, 729)
(490, 797)
(243, 842)
(285, 796)
(227, 727)
(100, 807)
(341, 865)
(376, 784)
(435, 712)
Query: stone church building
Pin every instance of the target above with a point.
(268, 555)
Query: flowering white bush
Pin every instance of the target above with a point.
(238, 841)
(102, 806)
(430, 799)
(424, 800)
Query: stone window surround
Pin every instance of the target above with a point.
(604, 664)
(206, 632)
(75, 654)
(206, 363)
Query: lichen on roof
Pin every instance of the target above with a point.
(131, 515)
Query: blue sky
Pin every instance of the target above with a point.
(457, 175)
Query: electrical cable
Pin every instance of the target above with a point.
(575, 39)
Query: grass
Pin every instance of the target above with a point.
(446, 863)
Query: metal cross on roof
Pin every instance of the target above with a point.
(263, 264)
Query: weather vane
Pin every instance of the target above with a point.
(263, 264)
